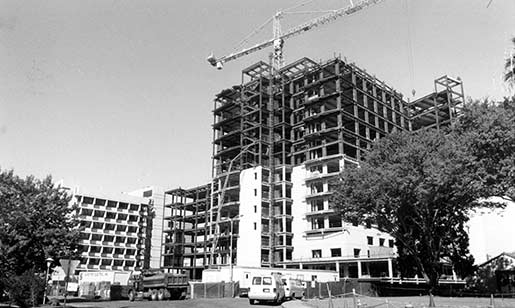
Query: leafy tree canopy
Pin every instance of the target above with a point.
(36, 222)
(488, 133)
(421, 186)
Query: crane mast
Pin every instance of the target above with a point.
(277, 61)
(278, 37)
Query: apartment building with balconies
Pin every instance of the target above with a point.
(115, 230)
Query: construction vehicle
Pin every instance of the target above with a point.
(157, 285)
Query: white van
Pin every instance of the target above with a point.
(266, 288)
(293, 288)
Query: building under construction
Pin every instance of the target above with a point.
(279, 139)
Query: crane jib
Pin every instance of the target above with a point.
(218, 62)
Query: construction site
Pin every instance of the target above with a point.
(281, 136)
(225, 154)
(279, 139)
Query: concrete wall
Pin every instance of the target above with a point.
(156, 242)
(350, 238)
(298, 211)
(249, 241)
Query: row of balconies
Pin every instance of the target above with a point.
(114, 232)
(386, 253)
(99, 215)
(114, 263)
(115, 221)
(107, 267)
(129, 210)
(126, 256)
(111, 244)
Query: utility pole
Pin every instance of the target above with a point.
(49, 262)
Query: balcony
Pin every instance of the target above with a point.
(320, 212)
(318, 194)
(381, 252)
(318, 176)
(324, 230)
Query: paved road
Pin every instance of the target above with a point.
(393, 302)
(196, 303)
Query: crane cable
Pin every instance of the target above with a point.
(297, 6)
(410, 49)
(257, 30)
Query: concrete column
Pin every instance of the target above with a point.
(390, 268)
(359, 269)
(300, 266)
(338, 268)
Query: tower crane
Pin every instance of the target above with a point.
(279, 37)
(277, 62)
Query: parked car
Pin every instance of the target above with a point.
(268, 288)
(293, 288)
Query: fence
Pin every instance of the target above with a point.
(337, 288)
(313, 289)
(214, 289)
(355, 300)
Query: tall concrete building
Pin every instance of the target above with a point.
(280, 140)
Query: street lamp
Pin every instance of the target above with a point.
(49, 262)
(230, 244)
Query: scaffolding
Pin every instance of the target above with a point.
(303, 112)
(323, 115)
(186, 245)
(438, 109)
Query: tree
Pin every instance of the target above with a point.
(489, 133)
(509, 68)
(420, 187)
(36, 222)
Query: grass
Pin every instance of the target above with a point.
(414, 301)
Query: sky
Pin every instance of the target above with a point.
(116, 95)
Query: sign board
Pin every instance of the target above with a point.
(110, 276)
(96, 276)
(69, 266)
